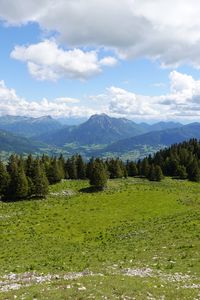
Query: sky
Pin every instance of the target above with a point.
(137, 59)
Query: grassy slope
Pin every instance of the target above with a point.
(134, 224)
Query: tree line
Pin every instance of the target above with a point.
(181, 161)
(30, 177)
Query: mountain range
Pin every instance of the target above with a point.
(164, 137)
(99, 129)
(27, 126)
(111, 135)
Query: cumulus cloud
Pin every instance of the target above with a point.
(168, 31)
(127, 103)
(183, 100)
(12, 104)
(46, 61)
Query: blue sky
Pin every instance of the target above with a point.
(134, 59)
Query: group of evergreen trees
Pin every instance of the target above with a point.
(30, 177)
(181, 160)
(23, 178)
(149, 169)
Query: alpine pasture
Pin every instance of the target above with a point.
(134, 240)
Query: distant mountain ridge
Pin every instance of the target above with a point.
(101, 129)
(164, 125)
(99, 135)
(163, 137)
(98, 129)
(28, 126)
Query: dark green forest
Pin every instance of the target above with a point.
(30, 177)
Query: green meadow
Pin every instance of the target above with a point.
(135, 240)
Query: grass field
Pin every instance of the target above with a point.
(135, 240)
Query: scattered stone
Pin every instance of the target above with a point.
(82, 288)
(67, 193)
(138, 272)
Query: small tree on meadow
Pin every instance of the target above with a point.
(158, 173)
(99, 175)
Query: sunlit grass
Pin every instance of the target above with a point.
(133, 224)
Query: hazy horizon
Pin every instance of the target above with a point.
(76, 120)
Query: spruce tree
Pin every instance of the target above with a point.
(61, 166)
(99, 175)
(89, 168)
(54, 174)
(194, 171)
(29, 166)
(4, 180)
(152, 175)
(145, 167)
(22, 186)
(158, 173)
(132, 169)
(39, 180)
(115, 168)
(18, 184)
(182, 172)
(81, 167)
(71, 168)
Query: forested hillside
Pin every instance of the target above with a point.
(13, 143)
(164, 137)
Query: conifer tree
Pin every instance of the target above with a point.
(18, 184)
(81, 167)
(72, 168)
(61, 166)
(89, 168)
(39, 180)
(132, 169)
(4, 180)
(115, 168)
(182, 172)
(145, 167)
(29, 166)
(152, 175)
(53, 171)
(158, 173)
(99, 175)
(194, 171)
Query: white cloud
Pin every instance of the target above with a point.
(168, 31)
(127, 103)
(46, 61)
(66, 100)
(182, 101)
(108, 61)
(181, 82)
(12, 104)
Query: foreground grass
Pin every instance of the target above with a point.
(137, 239)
